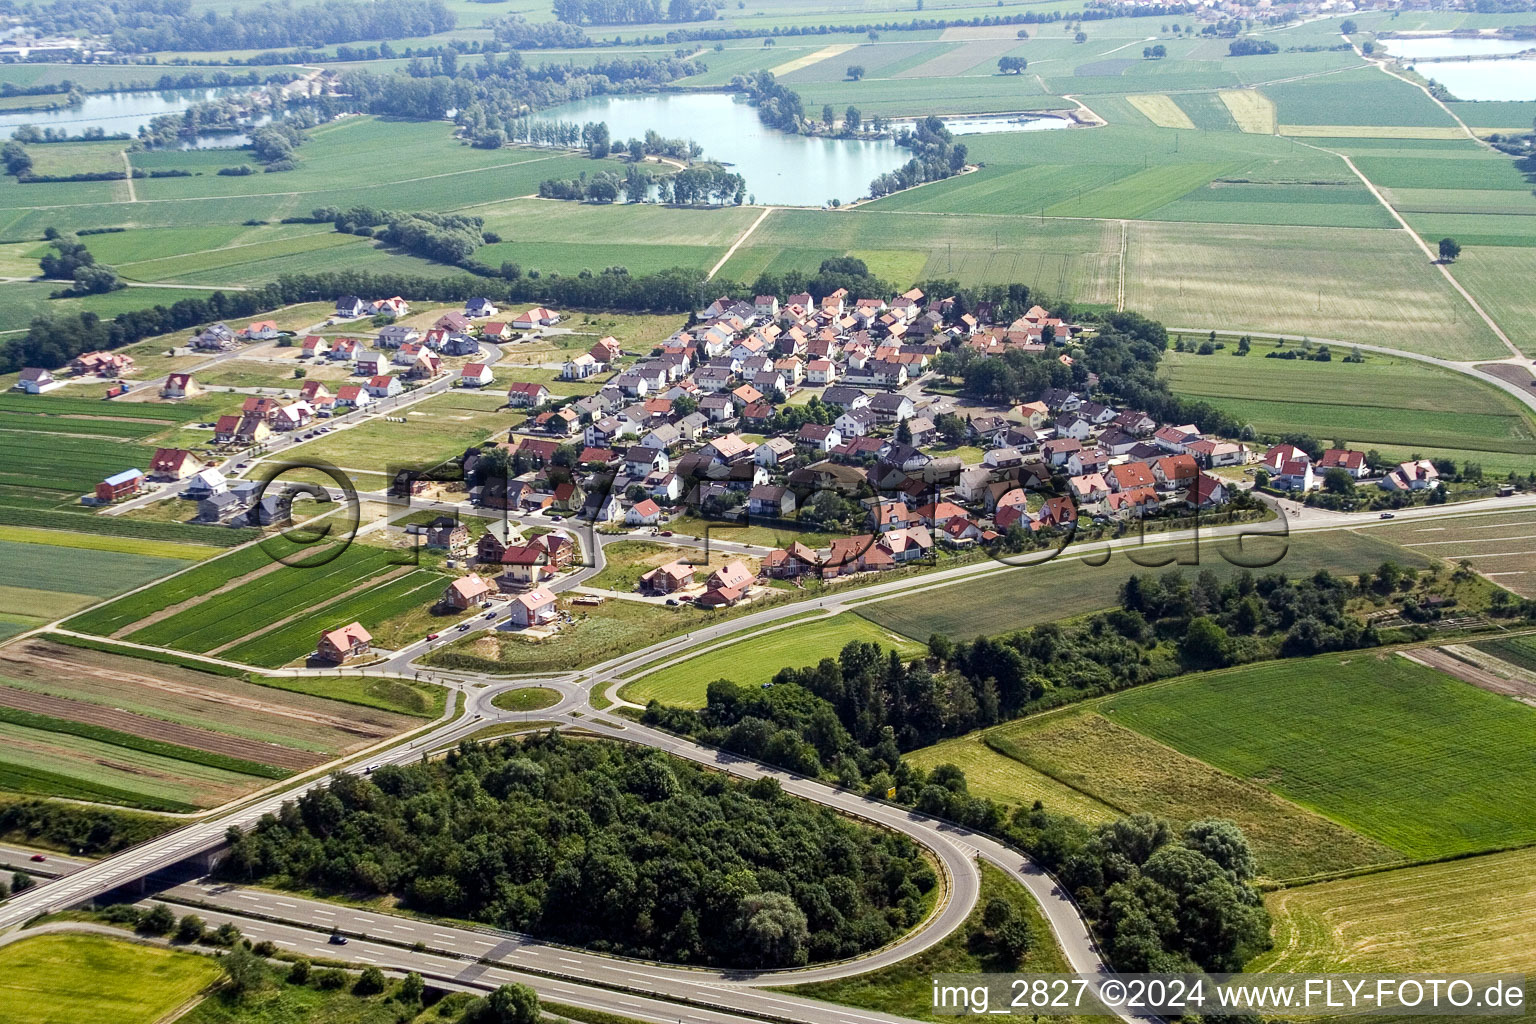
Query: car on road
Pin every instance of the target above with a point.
(490, 615)
(673, 601)
(433, 636)
(666, 533)
(39, 857)
(338, 940)
(1388, 515)
(463, 626)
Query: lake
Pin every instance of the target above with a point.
(1512, 79)
(1423, 47)
(780, 169)
(117, 112)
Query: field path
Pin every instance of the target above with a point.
(133, 196)
(1434, 257)
(1125, 231)
(737, 244)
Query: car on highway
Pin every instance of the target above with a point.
(39, 857)
(463, 626)
(490, 615)
(433, 636)
(1388, 515)
(338, 940)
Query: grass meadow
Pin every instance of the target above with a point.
(1008, 780)
(1099, 758)
(1401, 753)
(48, 978)
(755, 661)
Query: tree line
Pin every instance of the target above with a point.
(633, 12)
(847, 718)
(604, 845)
(936, 155)
(145, 26)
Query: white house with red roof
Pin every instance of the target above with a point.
(535, 608)
(526, 395)
(1349, 460)
(475, 375)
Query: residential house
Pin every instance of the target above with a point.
(643, 513)
(294, 416)
(1350, 461)
(845, 398)
(314, 347)
(475, 375)
(392, 306)
(101, 364)
(1207, 492)
(1131, 475)
(384, 386)
(1211, 454)
(178, 385)
(1059, 450)
(1280, 454)
(727, 585)
(35, 381)
(527, 395)
(1088, 488)
(204, 483)
(371, 364)
(343, 350)
(452, 321)
(668, 579)
(536, 608)
(350, 307)
(580, 367)
(173, 464)
(1133, 501)
(1412, 476)
(775, 451)
(120, 485)
(890, 407)
(1175, 472)
(820, 371)
(394, 335)
(466, 592)
(260, 330)
(1295, 475)
(479, 307)
(340, 646)
(771, 500)
(353, 396)
(446, 533)
(1174, 439)
(822, 437)
(606, 350)
(536, 317)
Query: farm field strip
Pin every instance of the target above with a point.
(49, 978)
(106, 542)
(1398, 752)
(1468, 914)
(372, 608)
(235, 613)
(80, 570)
(1251, 109)
(1161, 110)
(1095, 755)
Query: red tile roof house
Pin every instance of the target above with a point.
(728, 585)
(535, 608)
(1350, 461)
(466, 593)
(342, 645)
(180, 385)
(174, 464)
(644, 513)
(525, 395)
(667, 579)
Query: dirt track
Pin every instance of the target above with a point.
(1511, 686)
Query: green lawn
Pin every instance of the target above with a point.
(1401, 753)
(71, 979)
(754, 661)
(527, 698)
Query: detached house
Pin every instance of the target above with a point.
(479, 307)
(340, 646)
(35, 380)
(535, 608)
(475, 375)
(526, 395)
(179, 385)
(174, 464)
(537, 317)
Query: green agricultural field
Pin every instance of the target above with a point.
(41, 582)
(1398, 406)
(1517, 650)
(1007, 780)
(53, 978)
(1400, 753)
(371, 607)
(1359, 97)
(1096, 756)
(1472, 914)
(1069, 586)
(1499, 279)
(1328, 283)
(222, 618)
(755, 661)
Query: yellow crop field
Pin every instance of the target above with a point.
(1251, 109)
(1161, 110)
(814, 57)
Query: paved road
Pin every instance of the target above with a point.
(14, 857)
